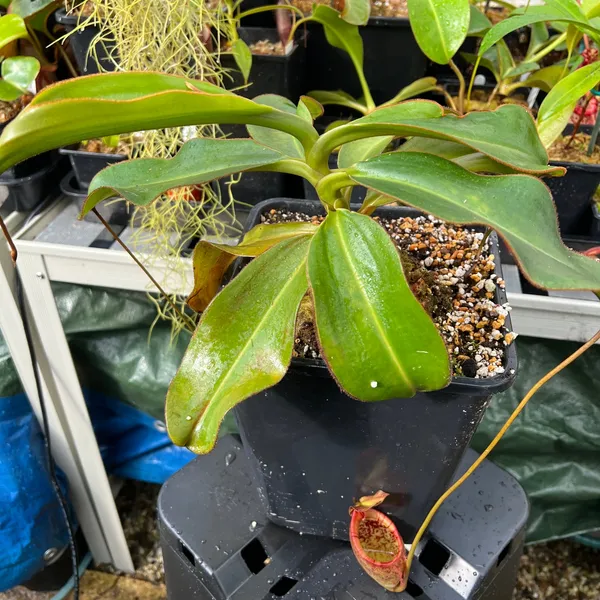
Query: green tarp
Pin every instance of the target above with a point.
(553, 448)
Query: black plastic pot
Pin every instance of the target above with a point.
(595, 233)
(81, 42)
(115, 212)
(86, 165)
(28, 184)
(313, 450)
(270, 74)
(392, 60)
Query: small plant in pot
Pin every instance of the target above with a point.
(340, 267)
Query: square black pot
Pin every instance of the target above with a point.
(313, 450)
(270, 74)
(392, 60)
(82, 40)
(86, 165)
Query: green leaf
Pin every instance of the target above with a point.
(440, 26)
(478, 22)
(278, 140)
(556, 109)
(35, 12)
(534, 14)
(211, 261)
(420, 86)
(225, 365)
(521, 69)
(538, 37)
(12, 27)
(9, 92)
(510, 204)
(242, 56)
(339, 98)
(339, 33)
(200, 160)
(309, 109)
(545, 78)
(123, 102)
(507, 135)
(377, 340)
(356, 12)
(441, 148)
(360, 150)
(20, 71)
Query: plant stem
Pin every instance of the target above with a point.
(472, 80)
(328, 187)
(185, 318)
(461, 88)
(493, 95)
(493, 444)
(449, 98)
(557, 42)
(293, 167)
(67, 60)
(11, 244)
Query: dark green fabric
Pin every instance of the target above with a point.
(553, 448)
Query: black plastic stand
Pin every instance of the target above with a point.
(217, 543)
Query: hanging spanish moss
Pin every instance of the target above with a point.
(178, 37)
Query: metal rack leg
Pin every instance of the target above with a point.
(76, 450)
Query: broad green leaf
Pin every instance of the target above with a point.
(309, 109)
(242, 56)
(375, 336)
(505, 59)
(534, 14)
(373, 200)
(12, 27)
(4, 3)
(558, 105)
(518, 207)
(420, 86)
(545, 78)
(20, 71)
(356, 12)
(521, 69)
(476, 162)
(441, 148)
(339, 98)
(200, 160)
(278, 140)
(360, 150)
(211, 261)
(507, 135)
(440, 26)
(9, 92)
(339, 33)
(49, 123)
(28, 8)
(478, 22)
(225, 365)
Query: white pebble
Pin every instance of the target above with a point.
(373, 384)
(490, 286)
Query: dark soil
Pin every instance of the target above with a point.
(576, 152)
(480, 100)
(454, 284)
(9, 110)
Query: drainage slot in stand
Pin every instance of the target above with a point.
(283, 586)
(255, 556)
(413, 590)
(505, 552)
(187, 553)
(434, 557)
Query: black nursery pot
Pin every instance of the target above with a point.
(81, 42)
(114, 212)
(313, 450)
(573, 193)
(86, 165)
(270, 74)
(392, 60)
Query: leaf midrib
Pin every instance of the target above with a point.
(379, 327)
(441, 32)
(251, 338)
